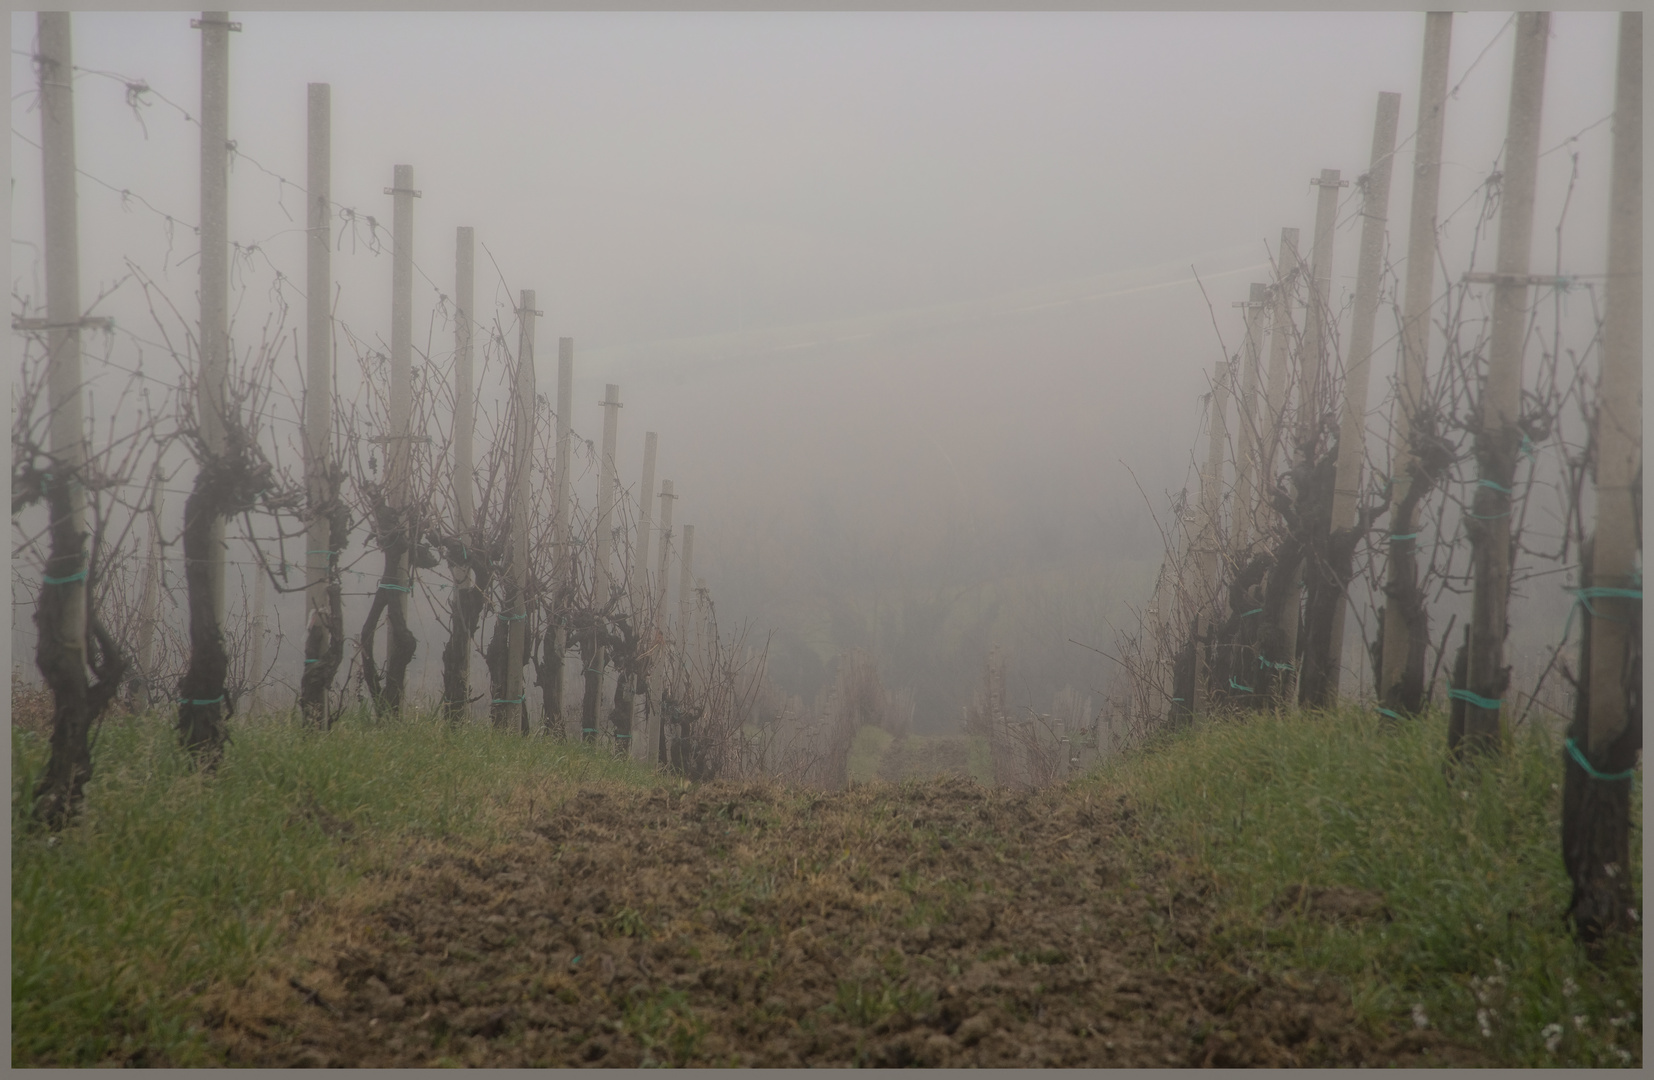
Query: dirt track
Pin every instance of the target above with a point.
(932, 923)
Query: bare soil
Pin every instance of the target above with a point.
(928, 923)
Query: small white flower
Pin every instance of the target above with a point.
(1569, 987)
(1484, 1021)
(1579, 1023)
(1552, 1035)
(1623, 1054)
(1465, 795)
(1555, 788)
(1420, 1021)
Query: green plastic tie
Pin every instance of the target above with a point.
(1527, 445)
(312, 661)
(509, 701)
(398, 588)
(79, 575)
(588, 731)
(320, 551)
(1254, 611)
(1280, 666)
(1603, 592)
(199, 701)
(1584, 596)
(1473, 698)
(1404, 536)
(512, 618)
(1238, 686)
(1487, 517)
(1391, 713)
(1502, 489)
(1590, 770)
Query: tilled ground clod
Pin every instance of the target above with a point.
(931, 923)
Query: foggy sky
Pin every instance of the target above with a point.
(903, 294)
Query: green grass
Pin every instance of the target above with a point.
(981, 760)
(867, 752)
(172, 880)
(1469, 867)
(871, 744)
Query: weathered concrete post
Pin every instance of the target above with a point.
(1209, 548)
(563, 574)
(1498, 440)
(1600, 754)
(203, 702)
(1278, 622)
(1324, 655)
(1242, 517)
(642, 594)
(1208, 556)
(686, 623)
(607, 483)
(60, 613)
(658, 607)
(1318, 313)
(398, 532)
(514, 704)
(1274, 428)
(215, 259)
(318, 381)
(1619, 417)
(1406, 622)
(466, 601)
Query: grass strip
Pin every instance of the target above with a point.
(1277, 809)
(173, 880)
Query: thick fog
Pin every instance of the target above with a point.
(909, 298)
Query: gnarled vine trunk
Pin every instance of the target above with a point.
(1596, 799)
(76, 703)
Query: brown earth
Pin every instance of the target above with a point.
(930, 923)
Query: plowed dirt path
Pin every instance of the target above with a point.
(930, 923)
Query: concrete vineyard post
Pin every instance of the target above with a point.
(658, 608)
(513, 704)
(563, 560)
(1401, 677)
(1605, 738)
(1242, 524)
(1498, 439)
(639, 580)
(318, 381)
(1323, 658)
(607, 483)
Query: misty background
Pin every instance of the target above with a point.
(909, 298)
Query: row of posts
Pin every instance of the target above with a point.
(67, 442)
(1617, 433)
